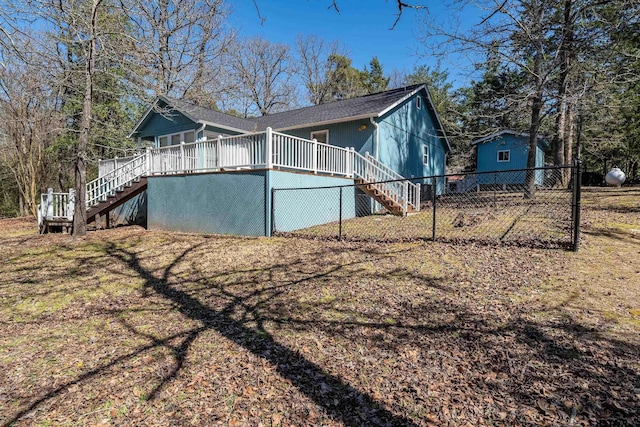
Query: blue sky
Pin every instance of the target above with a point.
(363, 27)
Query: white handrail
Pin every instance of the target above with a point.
(101, 187)
(403, 192)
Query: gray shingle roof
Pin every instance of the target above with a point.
(364, 106)
(368, 105)
(197, 113)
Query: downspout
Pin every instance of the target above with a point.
(375, 141)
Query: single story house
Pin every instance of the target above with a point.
(206, 171)
(507, 150)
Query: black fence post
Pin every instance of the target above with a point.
(577, 195)
(434, 188)
(495, 184)
(273, 211)
(340, 217)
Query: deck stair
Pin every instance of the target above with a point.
(397, 194)
(104, 194)
(115, 199)
(389, 201)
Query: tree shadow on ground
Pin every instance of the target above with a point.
(340, 400)
(552, 366)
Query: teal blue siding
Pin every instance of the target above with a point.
(297, 209)
(404, 131)
(159, 124)
(222, 131)
(221, 203)
(518, 147)
(357, 134)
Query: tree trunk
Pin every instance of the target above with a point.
(80, 209)
(563, 138)
(536, 107)
(570, 133)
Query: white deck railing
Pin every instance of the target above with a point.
(261, 150)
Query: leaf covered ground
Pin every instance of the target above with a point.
(135, 327)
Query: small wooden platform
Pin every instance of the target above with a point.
(54, 225)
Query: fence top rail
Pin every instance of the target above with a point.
(541, 168)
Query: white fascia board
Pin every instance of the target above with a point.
(144, 117)
(327, 122)
(241, 131)
(401, 100)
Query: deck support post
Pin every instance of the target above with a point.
(148, 161)
(350, 161)
(314, 156)
(71, 204)
(405, 202)
(182, 162)
(50, 203)
(269, 148)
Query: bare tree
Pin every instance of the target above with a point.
(314, 67)
(517, 34)
(29, 127)
(179, 46)
(263, 74)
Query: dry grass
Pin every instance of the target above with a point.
(131, 327)
(485, 217)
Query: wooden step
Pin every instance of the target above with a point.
(118, 198)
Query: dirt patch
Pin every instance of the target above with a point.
(132, 327)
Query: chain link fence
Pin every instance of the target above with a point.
(530, 207)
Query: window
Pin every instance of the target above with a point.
(503, 155)
(176, 138)
(418, 102)
(425, 155)
(321, 136)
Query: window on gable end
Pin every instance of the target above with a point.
(418, 102)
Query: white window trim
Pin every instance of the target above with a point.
(320, 131)
(425, 154)
(508, 155)
(419, 102)
(169, 135)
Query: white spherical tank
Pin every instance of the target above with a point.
(615, 177)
